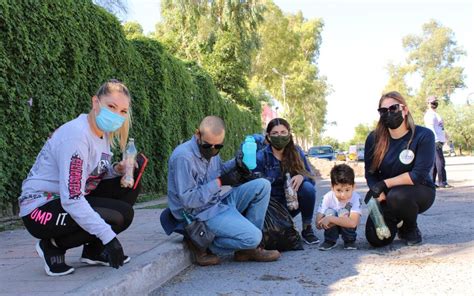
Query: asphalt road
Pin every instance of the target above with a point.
(442, 265)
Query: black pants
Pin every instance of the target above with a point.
(438, 168)
(402, 203)
(112, 202)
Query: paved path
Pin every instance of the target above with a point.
(444, 264)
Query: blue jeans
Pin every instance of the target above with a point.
(332, 234)
(306, 200)
(240, 226)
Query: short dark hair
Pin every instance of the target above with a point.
(342, 174)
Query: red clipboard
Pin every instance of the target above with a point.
(142, 163)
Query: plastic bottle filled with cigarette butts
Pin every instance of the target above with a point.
(381, 228)
(129, 158)
(290, 194)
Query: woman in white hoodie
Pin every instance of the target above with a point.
(72, 195)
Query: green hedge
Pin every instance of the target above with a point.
(59, 52)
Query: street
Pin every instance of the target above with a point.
(443, 264)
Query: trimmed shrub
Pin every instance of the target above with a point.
(58, 52)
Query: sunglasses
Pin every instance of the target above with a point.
(393, 109)
(209, 146)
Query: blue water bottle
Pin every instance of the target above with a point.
(249, 149)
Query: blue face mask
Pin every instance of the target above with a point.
(109, 121)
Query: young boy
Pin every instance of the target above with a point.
(339, 211)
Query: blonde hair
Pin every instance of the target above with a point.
(120, 135)
(382, 135)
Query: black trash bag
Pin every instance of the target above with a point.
(279, 231)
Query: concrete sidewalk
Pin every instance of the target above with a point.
(156, 258)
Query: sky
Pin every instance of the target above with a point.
(359, 39)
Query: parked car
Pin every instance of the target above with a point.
(341, 155)
(322, 151)
(356, 152)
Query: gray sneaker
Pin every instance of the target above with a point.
(350, 245)
(327, 245)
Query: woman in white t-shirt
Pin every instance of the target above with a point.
(339, 212)
(72, 195)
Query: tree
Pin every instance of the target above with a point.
(459, 124)
(287, 56)
(432, 56)
(115, 7)
(361, 133)
(333, 142)
(218, 35)
(132, 30)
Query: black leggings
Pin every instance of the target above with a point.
(112, 202)
(402, 203)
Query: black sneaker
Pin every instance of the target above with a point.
(308, 236)
(350, 245)
(327, 245)
(92, 257)
(413, 237)
(446, 186)
(54, 259)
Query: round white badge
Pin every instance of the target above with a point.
(406, 156)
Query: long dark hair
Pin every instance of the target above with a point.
(382, 135)
(291, 161)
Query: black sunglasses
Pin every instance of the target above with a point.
(393, 109)
(209, 146)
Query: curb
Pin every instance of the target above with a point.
(147, 272)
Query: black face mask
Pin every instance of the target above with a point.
(279, 142)
(434, 105)
(392, 120)
(207, 153)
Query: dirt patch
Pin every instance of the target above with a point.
(322, 167)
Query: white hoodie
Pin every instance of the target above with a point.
(70, 165)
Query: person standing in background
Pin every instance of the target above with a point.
(435, 123)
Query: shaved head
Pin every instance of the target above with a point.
(212, 124)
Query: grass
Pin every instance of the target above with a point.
(11, 225)
(158, 206)
(149, 197)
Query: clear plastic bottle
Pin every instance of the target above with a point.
(330, 212)
(249, 149)
(345, 211)
(129, 158)
(290, 194)
(381, 228)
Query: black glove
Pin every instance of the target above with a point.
(232, 178)
(245, 172)
(240, 165)
(375, 190)
(114, 253)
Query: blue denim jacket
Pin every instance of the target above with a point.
(269, 166)
(192, 182)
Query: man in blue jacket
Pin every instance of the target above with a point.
(212, 191)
